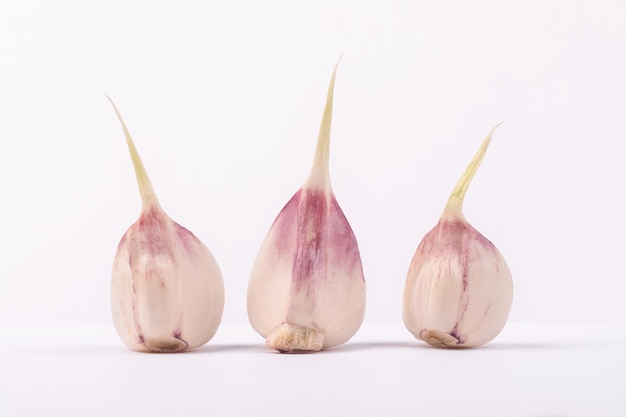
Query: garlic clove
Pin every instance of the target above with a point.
(458, 290)
(167, 293)
(306, 290)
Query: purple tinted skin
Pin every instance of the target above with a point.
(148, 234)
(321, 232)
(310, 262)
(455, 237)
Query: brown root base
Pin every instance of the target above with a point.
(440, 339)
(289, 338)
(165, 345)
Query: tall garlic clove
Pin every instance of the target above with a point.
(458, 290)
(306, 290)
(167, 293)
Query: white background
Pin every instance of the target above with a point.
(224, 100)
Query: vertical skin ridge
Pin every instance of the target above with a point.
(309, 264)
(152, 263)
(309, 260)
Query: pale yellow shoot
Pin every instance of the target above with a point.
(148, 196)
(455, 201)
(319, 176)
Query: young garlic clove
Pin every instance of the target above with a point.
(458, 291)
(306, 290)
(167, 293)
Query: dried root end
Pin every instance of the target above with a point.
(289, 338)
(165, 345)
(439, 339)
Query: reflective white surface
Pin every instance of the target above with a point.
(529, 370)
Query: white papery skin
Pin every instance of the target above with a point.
(167, 293)
(459, 290)
(306, 290)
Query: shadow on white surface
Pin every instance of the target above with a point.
(223, 348)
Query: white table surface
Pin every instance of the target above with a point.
(529, 370)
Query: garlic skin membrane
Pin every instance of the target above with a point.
(167, 292)
(307, 290)
(458, 290)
